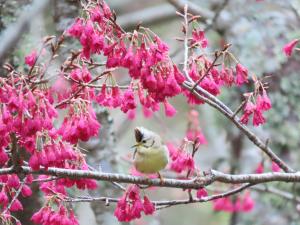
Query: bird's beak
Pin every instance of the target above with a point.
(136, 145)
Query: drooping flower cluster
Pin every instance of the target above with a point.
(145, 56)
(47, 150)
(130, 206)
(47, 215)
(181, 160)
(211, 78)
(198, 38)
(261, 105)
(27, 115)
(81, 124)
(8, 191)
(182, 156)
(243, 203)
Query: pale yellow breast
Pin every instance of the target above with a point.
(151, 160)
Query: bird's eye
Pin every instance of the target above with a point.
(144, 141)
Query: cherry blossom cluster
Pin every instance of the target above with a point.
(141, 52)
(256, 106)
(181, 159)
(49, 216)
(27, 120)
(130, 206)
(207, 73)
(243, 203)
(8, 200)
(81, 124)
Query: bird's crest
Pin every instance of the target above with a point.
(138, 135)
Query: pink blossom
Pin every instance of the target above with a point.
(31, 58)
(136, 209)
(16, 206)
(82, 126)
(127, 210)
(3, 198)
(147, 112)
(76, 29)
(131, 114)
(196, 135)
(181, 160)
(210, 85)
(47, 215)
(223, 204)
(13, 181)
(201, 193)
(128, 102)
(116, 96)
(241, 74)
(258, 117)
(149, 207)
(170, 111)
(289, 47)
(260, 168)
(96, 15)
(112, 97)
(275, 167)
(248, 110)
(227, 75)
(248, 203)
(263, 102)
(198, 36)
(26, 191)
(81, 75)
(3, 157)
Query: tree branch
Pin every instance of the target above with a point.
(166, 203)
(196, 183)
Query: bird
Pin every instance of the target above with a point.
(150, 155)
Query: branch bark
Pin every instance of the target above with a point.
(196, 183)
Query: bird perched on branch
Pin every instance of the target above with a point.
(150, 155)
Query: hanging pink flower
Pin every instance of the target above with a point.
(275, 167)
(31, 58)
(201, 193)
(289, 47)
(170, 111)
(263, 102)
(130, 206)
(241, 74)
(259, 168)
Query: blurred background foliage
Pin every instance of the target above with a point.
(258, 30)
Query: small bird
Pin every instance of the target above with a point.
(150, 155)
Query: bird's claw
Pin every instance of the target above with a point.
(160, 178)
